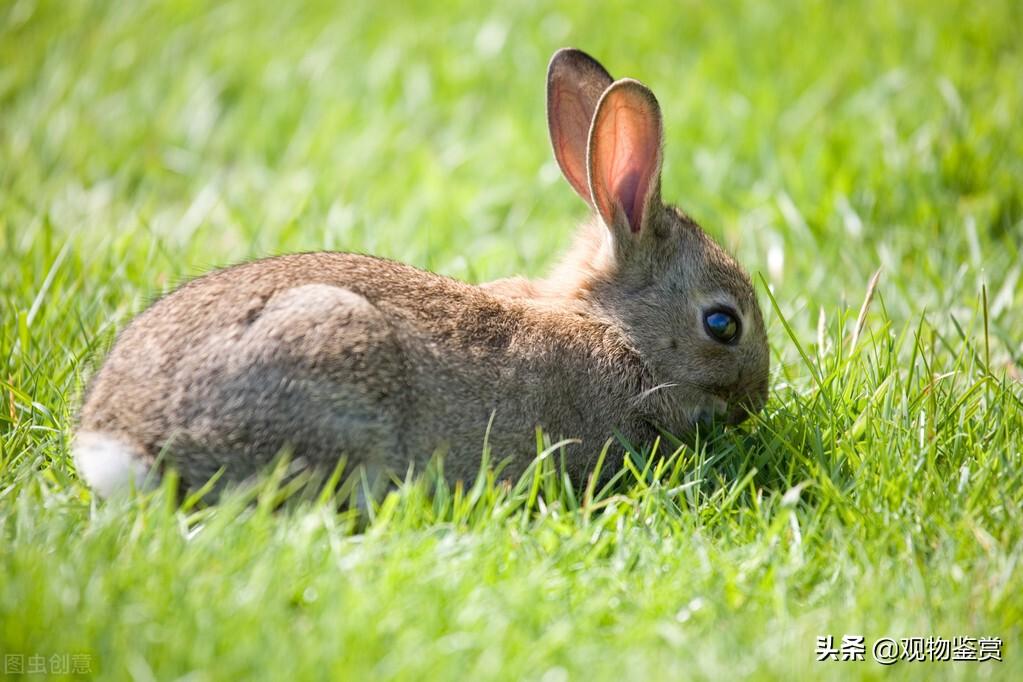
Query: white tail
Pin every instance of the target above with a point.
(106, 463)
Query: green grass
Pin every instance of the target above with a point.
(880, 493)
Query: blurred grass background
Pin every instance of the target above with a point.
(143, 143)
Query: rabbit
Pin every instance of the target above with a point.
(645, 324)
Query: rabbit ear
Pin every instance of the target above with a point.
(575, 82)
(624, 159)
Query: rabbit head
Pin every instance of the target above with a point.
(686, 306)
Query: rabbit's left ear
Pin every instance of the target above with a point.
(624, 158)
(575, 82)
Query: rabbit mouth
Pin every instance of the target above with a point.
(707, 405)
(715, 411)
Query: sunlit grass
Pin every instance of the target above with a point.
(880, 492)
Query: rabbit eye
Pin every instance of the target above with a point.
(722, 325)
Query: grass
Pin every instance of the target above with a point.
(880, 493)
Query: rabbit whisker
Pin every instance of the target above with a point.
(650, 391)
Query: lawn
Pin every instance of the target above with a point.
(880, 493)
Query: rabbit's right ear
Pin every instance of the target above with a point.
(575, 82)
(625, 158)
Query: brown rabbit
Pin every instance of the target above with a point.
(646, 323)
